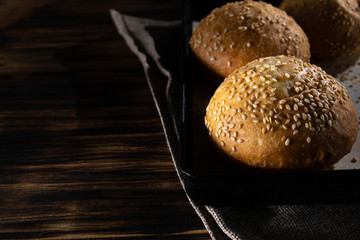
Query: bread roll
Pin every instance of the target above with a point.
(282, 113)
(332, 26)
(239, 32)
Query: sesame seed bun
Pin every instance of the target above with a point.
(332, 26)
(282, 113)
(239, 32)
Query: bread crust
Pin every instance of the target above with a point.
(282, 113)
(332, 26)
(239, 32)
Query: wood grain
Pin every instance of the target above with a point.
(82, 150)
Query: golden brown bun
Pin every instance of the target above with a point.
(282, 113)
(239, 32)
(332, 26)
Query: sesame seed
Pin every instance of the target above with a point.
(273, 68)
(287, 142)
(282, 101)
(308, 139)
(295, 132)
(304, 116)
(222, 143)
(330, 123)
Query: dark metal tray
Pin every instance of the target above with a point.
(210, 179)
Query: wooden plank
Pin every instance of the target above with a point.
(82, 150)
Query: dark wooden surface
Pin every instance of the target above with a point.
(82, 150)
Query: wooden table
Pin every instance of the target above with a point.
(82, 150)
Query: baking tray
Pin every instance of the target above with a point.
(210, 179)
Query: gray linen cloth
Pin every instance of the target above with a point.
(150, 41)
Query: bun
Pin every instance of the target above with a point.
(332, 26)
(282, 113)
(239, 32)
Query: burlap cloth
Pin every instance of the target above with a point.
(157, 44)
